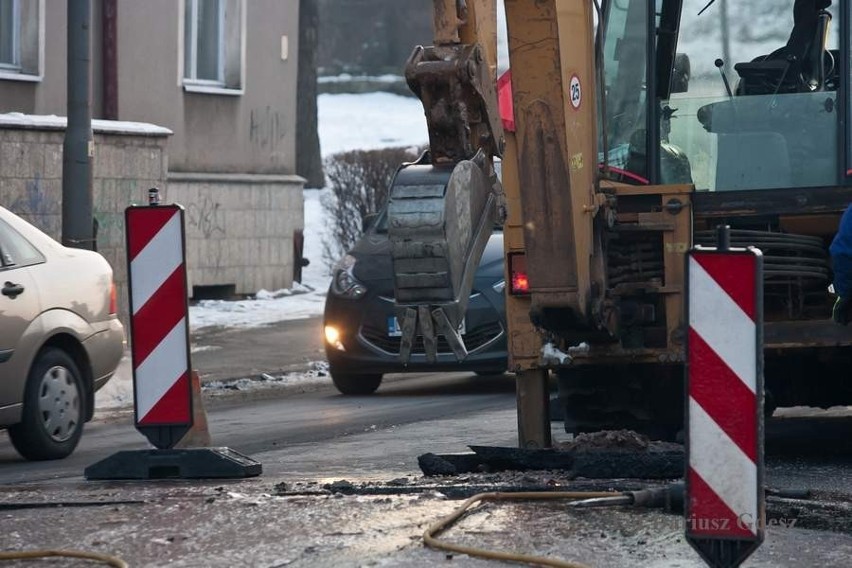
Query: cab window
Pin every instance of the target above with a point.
(759, 105)
(625, 49)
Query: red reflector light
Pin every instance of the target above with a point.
(520, 283)
(113, 300)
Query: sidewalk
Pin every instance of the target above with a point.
(290, 349)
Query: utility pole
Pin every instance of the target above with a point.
(79, 147)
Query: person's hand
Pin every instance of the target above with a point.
(841, 312)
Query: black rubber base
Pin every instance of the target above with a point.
(190, 463)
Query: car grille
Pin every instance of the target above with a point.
(473, 339)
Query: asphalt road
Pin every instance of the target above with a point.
(805, 448)
(320, 436)
(274, 425)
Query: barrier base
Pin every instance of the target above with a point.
(189, 463)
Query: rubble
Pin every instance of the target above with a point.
(600, 455)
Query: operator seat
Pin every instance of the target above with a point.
(799, 66)
(674, 163)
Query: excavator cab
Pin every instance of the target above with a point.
(639, 126)
(745, 103)
(756, 108)
(776, 125)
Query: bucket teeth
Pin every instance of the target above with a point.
(428, 323)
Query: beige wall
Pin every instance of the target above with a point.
(239, 228)
(249, 133)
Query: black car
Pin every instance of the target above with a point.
(362, 335)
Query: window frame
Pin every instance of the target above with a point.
(231, 55)
(841, 170)
(28, 36)
(14, 31)
(191, 74)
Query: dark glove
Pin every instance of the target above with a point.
(841, 312)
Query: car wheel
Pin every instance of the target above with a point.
(352, 383)
(53, 412)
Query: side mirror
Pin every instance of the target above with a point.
(368, 221)
(680, 73)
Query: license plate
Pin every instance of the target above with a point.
(395, 331)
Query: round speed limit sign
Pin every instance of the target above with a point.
(575, 92)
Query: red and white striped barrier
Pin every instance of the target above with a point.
(159, 322)
(162, 383)
(724, 477)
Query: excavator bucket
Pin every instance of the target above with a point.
(440, 220)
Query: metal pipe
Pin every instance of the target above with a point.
(78, 146)
(109, 45)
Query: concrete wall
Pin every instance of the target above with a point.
(125, 166)
(239, 228)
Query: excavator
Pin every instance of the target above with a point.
(622, 135)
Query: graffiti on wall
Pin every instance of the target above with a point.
(266, 128)
(206, 217)
(39, 207)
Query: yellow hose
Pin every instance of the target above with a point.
(96, 556)
(443, 524)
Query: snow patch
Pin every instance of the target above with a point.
(317, 374)
(54, 122)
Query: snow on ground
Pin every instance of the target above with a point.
(346, 122)
(369, 121)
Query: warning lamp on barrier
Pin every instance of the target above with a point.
(519, 283)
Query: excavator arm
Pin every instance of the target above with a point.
(442, 209)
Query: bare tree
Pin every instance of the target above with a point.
(359, 182)
(308, 157)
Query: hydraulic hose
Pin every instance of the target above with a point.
(669, 498)
(429, 537)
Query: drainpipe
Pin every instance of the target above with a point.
(109, 45)
(78, 147)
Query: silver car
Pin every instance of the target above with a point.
(60, 338)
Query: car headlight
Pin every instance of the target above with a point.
(332, 337)
(343, 281)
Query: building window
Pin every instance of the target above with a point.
(20, 32)
(213, 50)
(10, 23)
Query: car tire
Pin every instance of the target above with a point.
(54, 408)
(356, 384)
